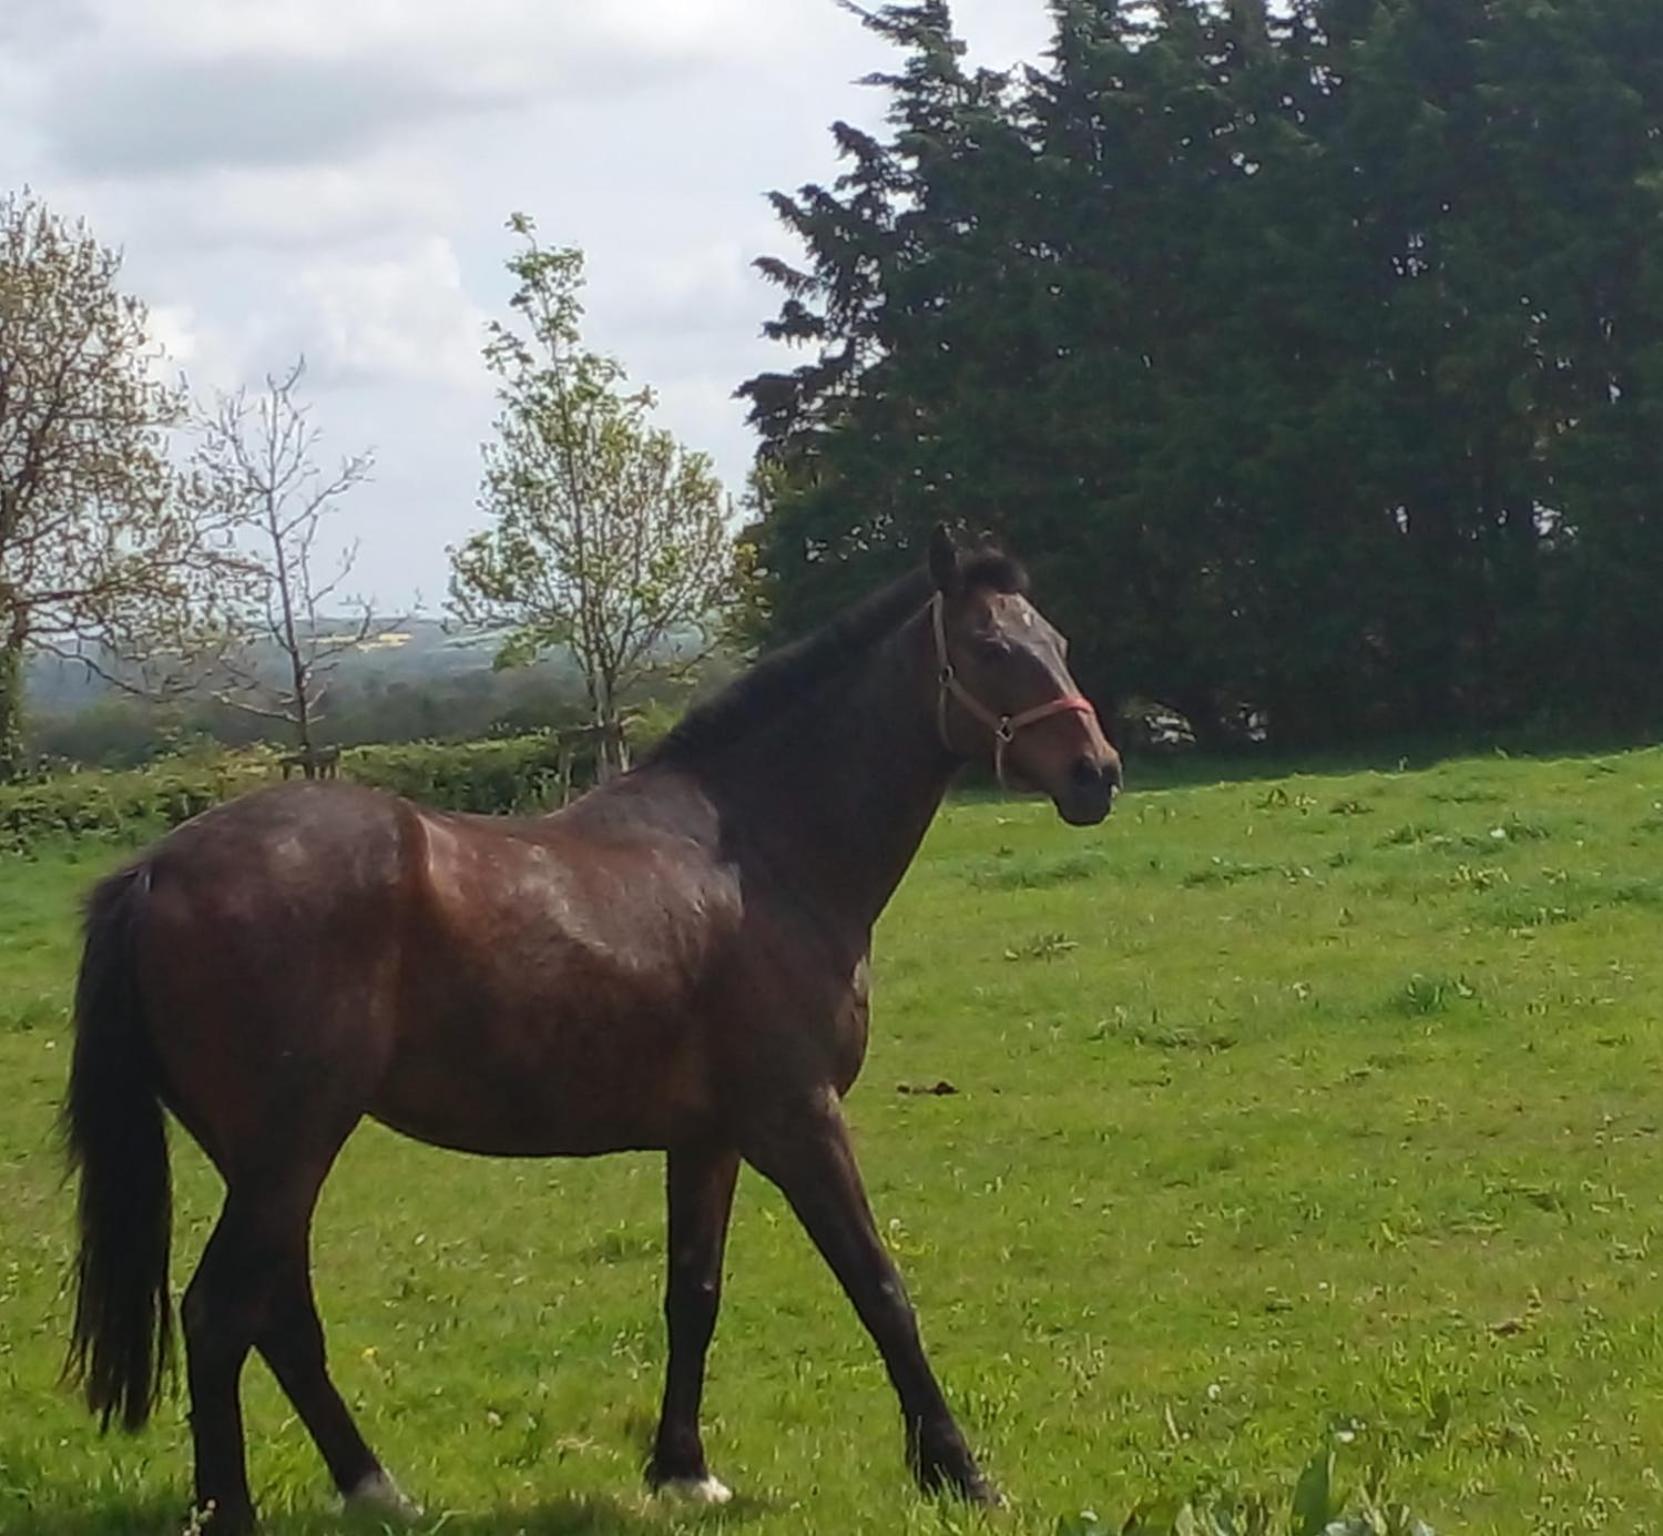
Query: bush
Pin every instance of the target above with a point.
(514, 775)
(106, 803)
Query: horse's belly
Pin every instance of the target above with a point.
(551, 1136)
(533, 1084)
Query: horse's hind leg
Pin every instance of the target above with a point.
(219, 1316)
(253, 1290)
(292, 1345)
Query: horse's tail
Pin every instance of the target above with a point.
(121, 1346)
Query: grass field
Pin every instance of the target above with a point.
(1291, 1112)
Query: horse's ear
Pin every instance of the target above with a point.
(944, 559)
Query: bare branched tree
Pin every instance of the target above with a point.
(256, 463)
(101, 559)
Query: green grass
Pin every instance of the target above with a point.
(1291, 1112)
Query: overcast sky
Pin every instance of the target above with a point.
(332, 176)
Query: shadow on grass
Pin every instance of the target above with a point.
(571, 1515)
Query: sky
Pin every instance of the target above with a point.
(332, 177)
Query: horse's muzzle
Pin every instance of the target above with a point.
(1089, 794)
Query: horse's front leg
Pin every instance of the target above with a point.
(700, 1189)
(804, 1148)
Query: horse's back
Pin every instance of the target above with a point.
(304, 838)
(561, 981)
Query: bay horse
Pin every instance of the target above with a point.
(675, 962)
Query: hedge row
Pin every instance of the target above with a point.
(515, 774)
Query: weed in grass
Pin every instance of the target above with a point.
(1222, 871)
(1410, 835)
(1276, 798)
(1636, 891)
(1423, 995)
(1465, 794)
(1042, 946)
(1524, 909)
(27, 1015)
(1478, 878)
(1036, 873)
(1517, 828)
(1319, 1504)
(1158, 1036)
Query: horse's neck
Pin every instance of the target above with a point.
(839, 803)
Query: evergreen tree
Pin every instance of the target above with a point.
(1311, 352)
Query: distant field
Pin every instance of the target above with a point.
(1288, 1109)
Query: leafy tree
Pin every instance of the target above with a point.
(889, 426)
(608, 539)
(100, 558)
(256, 469)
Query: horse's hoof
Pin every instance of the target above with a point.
(964, 1481)
(379, 1493)
(695, 1490)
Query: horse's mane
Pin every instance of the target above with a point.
(793, 671)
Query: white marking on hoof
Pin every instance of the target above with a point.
(377, 1491)
(696, 1490)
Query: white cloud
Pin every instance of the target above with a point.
(331, 177)
(173, 332)
(160, 86)
(404, 318)
(384, 197)
(242, 111)
(473, 36)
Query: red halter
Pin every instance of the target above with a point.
(1004, 727)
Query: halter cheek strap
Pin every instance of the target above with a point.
(1004, 727)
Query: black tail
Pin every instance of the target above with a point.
(122, 1343)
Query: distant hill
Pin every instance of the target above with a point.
(416, 651)
(416, 682)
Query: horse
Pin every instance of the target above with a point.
(677, 961)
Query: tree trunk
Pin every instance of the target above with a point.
(611, 750)
(11, 707)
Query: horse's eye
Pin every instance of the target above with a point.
(989, 647)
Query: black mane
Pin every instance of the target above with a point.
(794, 670)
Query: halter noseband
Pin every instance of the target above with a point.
(1004, 727)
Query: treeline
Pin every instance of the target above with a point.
(1312, 354)
(118, 730)
(481, 705)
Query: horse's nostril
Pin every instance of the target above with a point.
(1087, 774)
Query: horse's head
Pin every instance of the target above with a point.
(1004, 688)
